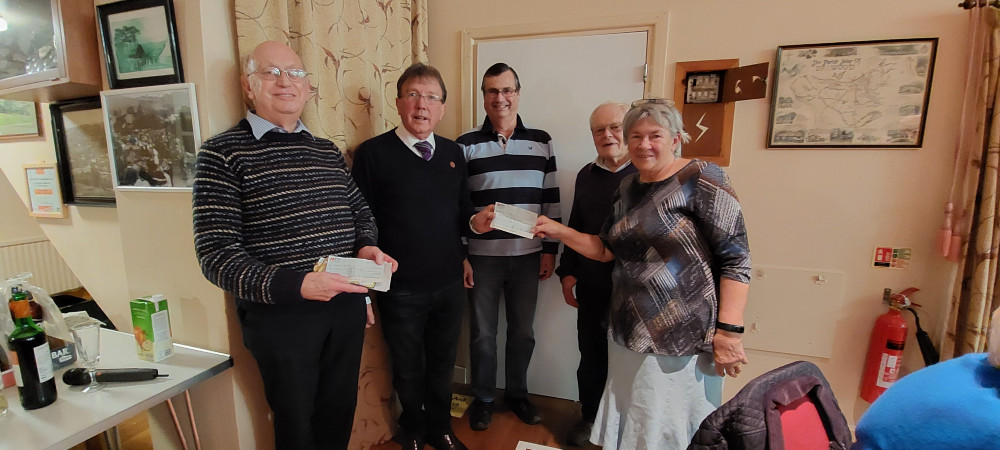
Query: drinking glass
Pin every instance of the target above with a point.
(88, 348)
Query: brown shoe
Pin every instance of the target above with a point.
(447, 441)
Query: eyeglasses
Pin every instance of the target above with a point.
(273, 73)
(507, 92)
(429, 98)
(653, 101)
(600, 130)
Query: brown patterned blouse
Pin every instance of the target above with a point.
(673, 240)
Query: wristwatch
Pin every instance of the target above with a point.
(729, 327)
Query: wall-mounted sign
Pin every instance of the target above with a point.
(44, 195)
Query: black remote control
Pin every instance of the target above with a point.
(80, 377)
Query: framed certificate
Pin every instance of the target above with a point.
(44, 195)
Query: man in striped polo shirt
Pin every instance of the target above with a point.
(269, 200)
(511, 164)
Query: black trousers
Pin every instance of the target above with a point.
(421, 329)
(592, 335)
(309, 355)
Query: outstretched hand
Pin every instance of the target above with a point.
(546, 227)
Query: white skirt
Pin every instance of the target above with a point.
(654, 402)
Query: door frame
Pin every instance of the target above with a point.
(655, 26)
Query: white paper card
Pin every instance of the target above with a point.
(362, 272)
(514, 220)
(521, 445)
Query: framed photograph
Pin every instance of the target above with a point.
(870, 94)
(82, 152)
(44, 198)
(19, 120)
(152, 136)
(140, 43)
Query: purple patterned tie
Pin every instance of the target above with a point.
(424, 148)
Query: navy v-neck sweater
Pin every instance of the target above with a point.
(422, 208)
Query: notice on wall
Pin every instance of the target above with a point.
(44, 195)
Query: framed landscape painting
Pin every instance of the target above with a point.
(140, 43)
(18, 120)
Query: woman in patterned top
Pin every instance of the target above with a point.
(681, 274)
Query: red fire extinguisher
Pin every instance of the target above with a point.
(885, 351)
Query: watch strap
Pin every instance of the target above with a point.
(729, 327)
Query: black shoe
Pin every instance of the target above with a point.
(480, 415)
(579, 434)
(524, 410)
(412, 443)
(447, 441)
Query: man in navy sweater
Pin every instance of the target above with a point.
(416, 184)
(596, 184)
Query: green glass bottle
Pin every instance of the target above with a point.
(30, 356)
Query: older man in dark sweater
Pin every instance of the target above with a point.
(596, 184)
(417, 186)
(269, 200)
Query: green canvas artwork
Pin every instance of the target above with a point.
(138, 51)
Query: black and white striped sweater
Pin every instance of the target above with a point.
(266, 210)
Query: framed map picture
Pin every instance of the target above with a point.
(870, 94)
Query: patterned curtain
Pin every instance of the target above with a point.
(355, 51)
(973, 235)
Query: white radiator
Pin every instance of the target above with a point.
(39, 257)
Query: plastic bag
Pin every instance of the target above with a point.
(63, 353)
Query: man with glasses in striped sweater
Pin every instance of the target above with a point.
(269, 200)
(512, 164)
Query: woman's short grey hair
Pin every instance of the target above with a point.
(664, 113)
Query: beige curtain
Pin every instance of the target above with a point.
(972, 225)
(355, 51)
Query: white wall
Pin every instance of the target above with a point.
(818, 209)
(15, 224)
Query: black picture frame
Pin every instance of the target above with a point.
(136, 34)
(864, 94)
(78, 132)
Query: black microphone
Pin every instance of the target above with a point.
(80, 377)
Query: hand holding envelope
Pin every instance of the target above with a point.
(514, 220)
(361, 272)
